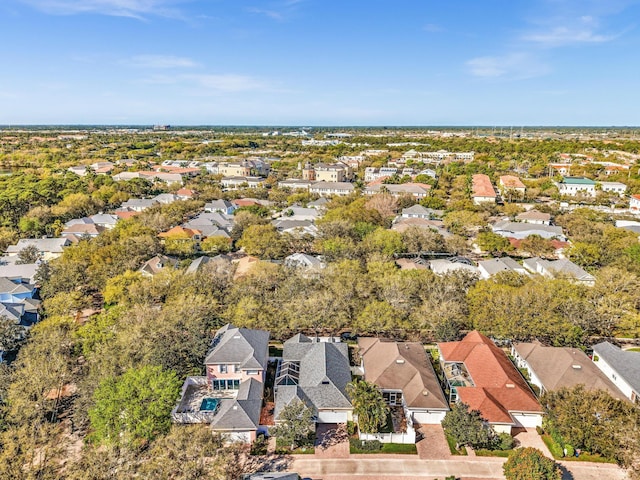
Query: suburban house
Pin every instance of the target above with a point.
(573, 186)
(220, 206)
(138, 204)
(442, 266)
(408, 383)
(105, 220)
(17, 303)
(182, 233)
(559, 268)
(18, 272)
(520, 230)
(327, 189)
(295, 227)
(300, 213)
(316, 371)
(482, 189)
(488, 268)
(156, 264)
(229, 397)
(48, 248)
(535, 217)
(418, 211)
(372, 174)
(621, 367)
(416, 190)
(480, 374)
(337, 172)
(402, 224)
(553, 368)
(303, 261)
(614, 187)
(79, 230)
(511, 187)
(242, 182)
(634, 202)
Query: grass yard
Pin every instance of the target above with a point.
(452, 446)
(493, 453)
(584, 457)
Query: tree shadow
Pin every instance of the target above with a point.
(566, 474)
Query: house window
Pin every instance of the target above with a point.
(225, 384)
(253, 372)
(223, 369)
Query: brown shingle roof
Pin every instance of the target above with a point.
(402, 366)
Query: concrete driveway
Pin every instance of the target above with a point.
(432, 443)
(332, 441)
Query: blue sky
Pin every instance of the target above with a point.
(320, 62)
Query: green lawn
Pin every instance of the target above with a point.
(584, 457)
(452, 446)
(634, 349)
(492, 453)
(398, 448)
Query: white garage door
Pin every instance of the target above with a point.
(428, 418)
(332, 416)
(244, 437)
(528, 420)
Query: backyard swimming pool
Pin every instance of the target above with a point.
(209, 404)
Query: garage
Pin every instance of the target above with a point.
(332, 416)
(527, 420)
(428, 417)
(244, 437)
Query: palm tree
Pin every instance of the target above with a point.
(368, 405)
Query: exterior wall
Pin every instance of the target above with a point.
(406, 438)
(337, 175)
(244, 437)
(479, 200)
(502, 428)
(614, 377)
(575, 189)
(213, 372)
(634, 203)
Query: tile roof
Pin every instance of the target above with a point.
(511, 181)
(498, 388)
(482, 186)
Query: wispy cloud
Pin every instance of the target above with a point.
(432, 28)
(210, 83)
(139, 9)
(280, 10)
(512, 66)
(573, 31)
(160, 61)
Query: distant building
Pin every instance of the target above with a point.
(511, 186)
(614, 187)
(574, 186)
(327, 189)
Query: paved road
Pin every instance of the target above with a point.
(402, 467)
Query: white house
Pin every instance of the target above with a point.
(621, 367)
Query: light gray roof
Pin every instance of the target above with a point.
(7, 286)
(242, 412)
(560, 267)
(211, 218)
(508, 226)
(445, 265)
(324, 373)
(51, 245)
(104, 219)
(23, 272)
(220, 204)
(139, 203)
(241, 346)
(332, 186)
(166, 198)
(417, 210)
(321, 202)
(497, 265)
(626, 364)
(302, 260)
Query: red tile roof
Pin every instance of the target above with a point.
(482, 186)
(498, 386)
(190, 232)
(124, 214)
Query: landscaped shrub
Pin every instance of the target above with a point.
(351, 428)
(540, 430)
(365, 445)
(505, 442)
(569, 451)
(259, 446)
(556, 450)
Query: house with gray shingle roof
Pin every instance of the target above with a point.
(229, 397)
(317, 373)
(559, 268)
(622, 367)
(489, 268)
(48, 247)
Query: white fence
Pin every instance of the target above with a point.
(409, 437)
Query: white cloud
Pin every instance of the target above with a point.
(280, 10)
(208, 84)
(432, 28)
(563, 35)
(119, 8)
(513, 66)
(161, 61)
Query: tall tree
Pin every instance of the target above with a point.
(530, 464)
(368, 405)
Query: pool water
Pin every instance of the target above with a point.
(209, 404)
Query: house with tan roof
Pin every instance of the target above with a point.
(534, 216)
(553, 368)
(404, 374)
(511, 187)
(480, 374)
